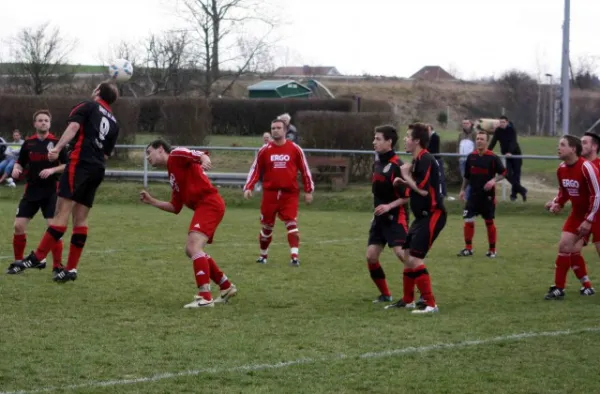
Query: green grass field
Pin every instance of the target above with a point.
(121, 328)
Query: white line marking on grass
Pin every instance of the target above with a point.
(301, 361)
(156, 247)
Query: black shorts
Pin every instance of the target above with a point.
(484, 206)
(388, 231)
(423, 231)
(79, 184)
(28, 208)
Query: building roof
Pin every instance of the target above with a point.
(433, 73)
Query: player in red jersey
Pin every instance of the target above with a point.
(578, 182)
(278, 163)
(590, 147)
(94, 128)
(192, 188)
(40, 190)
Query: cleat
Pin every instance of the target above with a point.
(200, 302)
(554, 293)
(401, 304)
(465, 253)
(491, 255)
(226, 294)
(63, 276)
(420, 304)
(587, 291)
(426, 310)
(18, 267)
(382, 298)
(261, 260)
(295, 263)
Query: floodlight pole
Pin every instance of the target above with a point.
(566, 83)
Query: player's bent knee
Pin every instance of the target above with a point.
(20, 226)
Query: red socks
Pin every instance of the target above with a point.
(378, 277)
(216, 275)
(51, 237)
(491, 232)
(57, 252)
(78, 239)
(293, 237)
(202, 275)
(580, 269)
(563, 263)
(408, 285)
(19, 244)
(423, 282)
(469, 232)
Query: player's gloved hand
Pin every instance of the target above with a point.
(46, 173)
(247, 194)
(308, 198)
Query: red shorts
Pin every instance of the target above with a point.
(594, 235)
(275, 203)
(572, 224)
(208, 216)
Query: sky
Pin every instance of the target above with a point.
(471, 38)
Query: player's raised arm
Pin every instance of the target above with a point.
(256, 170)
(591, 175)
(307, 181)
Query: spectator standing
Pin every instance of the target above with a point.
(292, 133)
(434, 149)
(506, 135)
(466, 146)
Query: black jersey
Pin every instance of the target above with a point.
(480, 169)
(33, 157)
(426, 174)
(97, 134)
(385, 170)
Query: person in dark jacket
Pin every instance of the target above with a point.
(434, 149)
(506, 135)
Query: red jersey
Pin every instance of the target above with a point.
(189, 184)
(579, 183)
(278, 167)
(596, 163)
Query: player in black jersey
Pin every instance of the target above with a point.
(427, 206)
(481, 168)
(40, 189)
(93, 129)
(390, 221)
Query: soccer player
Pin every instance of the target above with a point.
(390, 221)
(40, 190)
(278, 164)
(590, 147)
(578, 182)
(192, 188)
(94, 128)
(426, 203)
(481, 169)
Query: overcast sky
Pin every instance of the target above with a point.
(475, 38)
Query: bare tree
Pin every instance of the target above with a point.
(584, 74)
(40, 57)
(219, 25)
(168, 66)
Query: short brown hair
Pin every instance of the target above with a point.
(483, 132)
(389, 132)
(574, 142)
(108, 92)
(280, 121)
(419, 131)
(41, 112)
(160, 144)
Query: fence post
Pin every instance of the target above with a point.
(145, 172)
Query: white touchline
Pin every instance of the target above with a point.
(284, 364)
(231, 244)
